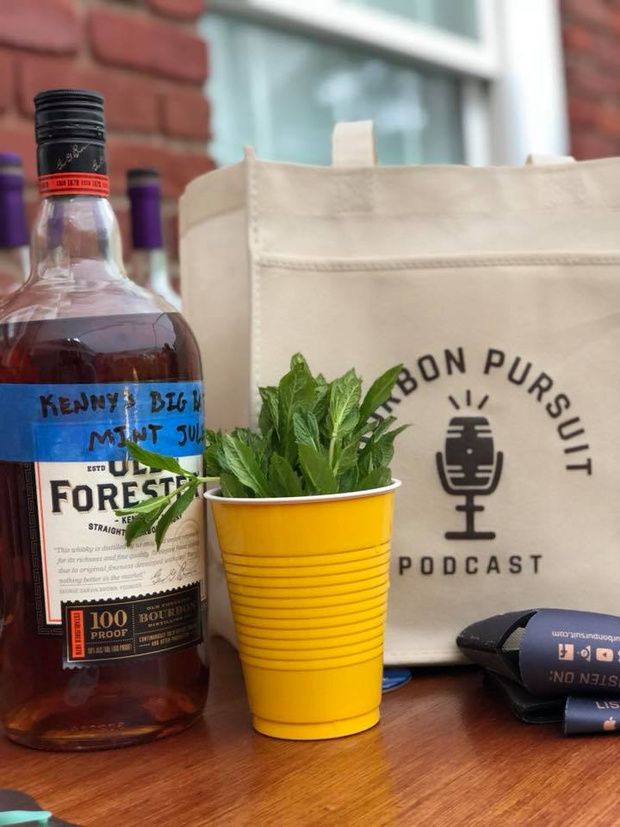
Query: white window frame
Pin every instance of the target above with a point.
(513, 94)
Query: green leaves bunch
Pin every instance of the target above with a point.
(314, 437)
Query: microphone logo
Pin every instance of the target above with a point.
(469, 467)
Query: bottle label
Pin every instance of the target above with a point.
(74, 183)
(72, 168)
(106, 600)
(73, 422)
(83, 555)
(106, 630)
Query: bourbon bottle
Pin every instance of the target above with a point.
(14, 250)
(101, 645)
(148, 265)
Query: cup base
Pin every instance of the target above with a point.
(317, 731)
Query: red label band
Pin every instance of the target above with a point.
(77, 634)
(74, 183)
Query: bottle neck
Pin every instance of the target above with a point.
(14, 249)
(13, 231)
(145, 207)
(23, 255)
(14, 269)
(149, 269)
(72, 167)
(75, 233)
(77, 267)
(149, 263)
(76, 238)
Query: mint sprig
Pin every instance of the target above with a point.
(159, 512)
(314, 437)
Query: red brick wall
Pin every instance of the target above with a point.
(591, 34)
(147, 59)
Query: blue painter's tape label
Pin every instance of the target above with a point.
(75, 422)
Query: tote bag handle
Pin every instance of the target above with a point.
(353, 144)
(538, 160)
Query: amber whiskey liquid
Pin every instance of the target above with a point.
(43, 704)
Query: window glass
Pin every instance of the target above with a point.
(457, 16)
(281, 92)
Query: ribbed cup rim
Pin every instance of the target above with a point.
(313, 498)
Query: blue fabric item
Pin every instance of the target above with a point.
(394, 677)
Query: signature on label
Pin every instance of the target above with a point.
(74, 153)
(177, 574)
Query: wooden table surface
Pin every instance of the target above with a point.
(445, 753)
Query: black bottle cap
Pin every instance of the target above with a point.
(70, 133)
(10, 163)
(69, 114)
(142, 174)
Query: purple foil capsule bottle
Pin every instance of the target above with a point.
(148, 266)
(14, 250)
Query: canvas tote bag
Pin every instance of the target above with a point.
(499, 291)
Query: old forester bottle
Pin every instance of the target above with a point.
(101, 645)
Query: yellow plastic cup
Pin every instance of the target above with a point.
(308, 583)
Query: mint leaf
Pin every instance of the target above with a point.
(258, 445)
(348, 481)
(211, 460)
(348, 457)
(243, 463)
(152, 460)
(374, 426)
(379, 392)
(317, 471)
(220, 456)
(213, 444)
(175, 510)
(295, 393)
(252, 439)
(378, 478)
(298, 361)
(141, 524)
(269, 418)
(382, 425)
(320, 403)
(231, 487)
(284, 481)
(344, 397)
(144, 507)
(379, 449)
(306, 429)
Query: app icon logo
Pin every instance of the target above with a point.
(566, 651)
(605, 655)
(586, 653)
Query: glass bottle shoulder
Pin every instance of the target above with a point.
(77, 269)
(79, 318)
